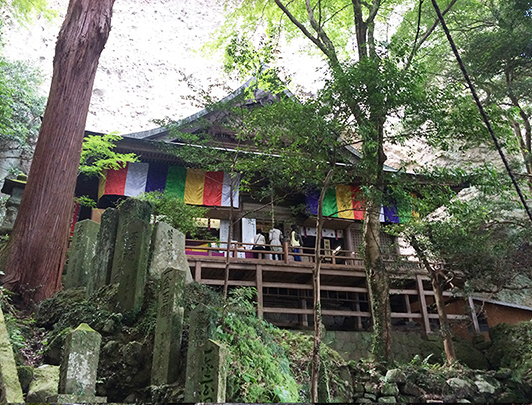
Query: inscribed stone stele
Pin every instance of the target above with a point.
(131, 264)
(169, 328)
(206, 378)
(81, 253)
(167, 250)
(105, 250)
(77, 375)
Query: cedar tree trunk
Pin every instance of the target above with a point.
(38, 243)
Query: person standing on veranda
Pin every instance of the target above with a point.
(276, 242)
(258, 244)
(296, 242)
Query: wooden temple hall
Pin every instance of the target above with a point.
(284, 287)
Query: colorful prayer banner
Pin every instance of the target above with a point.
(348, 202)
(196, 187)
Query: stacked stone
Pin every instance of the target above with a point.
(419, 387)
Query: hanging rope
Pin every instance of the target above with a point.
(481, 109)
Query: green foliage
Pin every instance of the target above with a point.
(25, 10)
(98, 155)
(85, 201)
(482, 238)
(267, 364)
(512, 348)
(175, 212)
(20, 105)
(259, 368)
(493, 40)
(16, 338)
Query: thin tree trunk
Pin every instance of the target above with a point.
(316, 285)
(440, 303)
(376, 274)
(378, 285)
(38, 243)
(229, 238)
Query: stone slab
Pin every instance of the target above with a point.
(130, 211)
(130, 264)
(105, 246)
(9, 382)
(167, 250)
(81, 253)
(169, 327)
(207, 374)
(79, 399)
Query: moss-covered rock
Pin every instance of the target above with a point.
(470, 356)
(43, 387)
(25, 376)
(512, 347)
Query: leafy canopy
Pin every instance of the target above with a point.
(97, 155)
(175, 212)
(21, 106)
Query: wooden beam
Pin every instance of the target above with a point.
(423, 302)
(260, 292)
(197, 273)
(474, 317)
(231, 282)
(408, 307)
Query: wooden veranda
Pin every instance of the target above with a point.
(284, 287)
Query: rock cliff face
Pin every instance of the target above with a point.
(153, 43)
(153, 46)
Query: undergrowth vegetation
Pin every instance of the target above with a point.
(266, 364)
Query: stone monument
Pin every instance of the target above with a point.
(167, 250)
(77, 376)
(105, 247)
(207, 374)
(169, 327)
(15, 188)
(81, 253)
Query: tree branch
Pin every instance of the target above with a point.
(315, 40)
(425, 36)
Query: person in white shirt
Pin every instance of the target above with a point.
(258, 244)
(276, 240)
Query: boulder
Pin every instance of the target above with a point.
(43, 387)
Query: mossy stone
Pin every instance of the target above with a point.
(25, 375)
(43, 388)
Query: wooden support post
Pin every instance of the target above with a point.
(423, 302)
(357, 308)
(260, 296)
(348, 238)
(285, 251)
(408, 306)
(304, 317)
(197, 273)
(474, 317)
